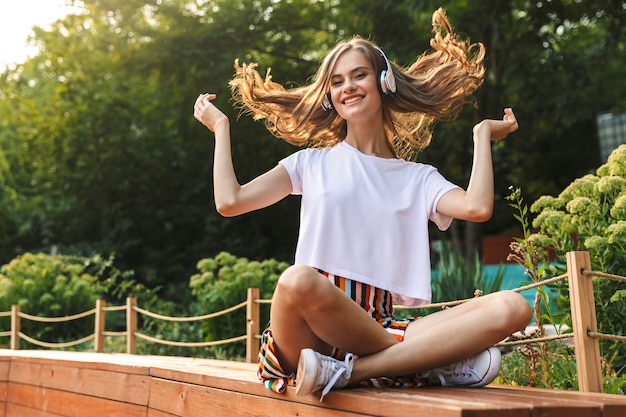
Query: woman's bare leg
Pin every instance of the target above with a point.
(308, 311)
(448, 336)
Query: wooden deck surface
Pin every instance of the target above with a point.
(71, 384)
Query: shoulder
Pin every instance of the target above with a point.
(307, 154)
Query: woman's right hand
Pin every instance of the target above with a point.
(207, 114)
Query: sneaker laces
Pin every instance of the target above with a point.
(337, 368)
(458, 368)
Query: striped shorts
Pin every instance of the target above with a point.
(377, 302)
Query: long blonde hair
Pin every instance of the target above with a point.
(435, 87)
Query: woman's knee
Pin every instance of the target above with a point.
(515, 311)
(299, 282)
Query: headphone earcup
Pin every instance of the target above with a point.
(383, 82)
(387, 80)
(327, 103)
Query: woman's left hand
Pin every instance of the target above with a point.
(497, 129)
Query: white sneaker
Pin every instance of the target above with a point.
(320, 372)
(475, 371)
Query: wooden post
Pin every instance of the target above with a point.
(131, 325)
(584, 321)
(100, 326)
(15, 327)
(253, 328)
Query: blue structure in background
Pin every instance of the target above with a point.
(515, 277)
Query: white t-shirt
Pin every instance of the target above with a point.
(366, 218)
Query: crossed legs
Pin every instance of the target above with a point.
(308, 311)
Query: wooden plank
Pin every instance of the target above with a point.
(63, 384)
(134, 364)
(583, 321)
(68, 404)
(5, 365)
(187, 400)
(3, 391)
(3, 398)
(539, 406)
(157, 413)
(183, 399)
(387, 402)
(114, 385)
(16, 410)
(611, 405)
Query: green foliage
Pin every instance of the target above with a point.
(457, 278)
(589, 215)
(533, 258)
(100, 152)
(525, 367)
(62, 285)
(222, 283)
(49, 286)
(586, 215)
(532, 366)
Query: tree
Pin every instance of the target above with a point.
(103, 155)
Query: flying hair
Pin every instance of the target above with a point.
(435, 87)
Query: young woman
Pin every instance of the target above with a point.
(363, 242)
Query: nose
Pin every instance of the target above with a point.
(349, 85)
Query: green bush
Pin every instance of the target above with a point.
(223, 282)
(64, 285)
(49, 286)
(590, 214)
(458, 278)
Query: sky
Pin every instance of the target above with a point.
(17, 18)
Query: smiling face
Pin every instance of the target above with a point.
(353, 86)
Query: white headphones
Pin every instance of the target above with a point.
(387, 83)
(387, 80)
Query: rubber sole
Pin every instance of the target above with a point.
(305, 379)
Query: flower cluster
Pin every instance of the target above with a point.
(588, 214)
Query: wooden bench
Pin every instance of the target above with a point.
(69, 384)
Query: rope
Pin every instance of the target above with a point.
(189, 344)
(434, 305)
(115, 308)
(540, 283)
(535, 340)
(196, 318)
(613, 337)
(56, 345)
(457, 302)
(114, 333)
(57, 319)
(604, 275)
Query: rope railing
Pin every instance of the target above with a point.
(57, 319)
(195, 318)
(60, 345)
(132, 333)
(584, 330)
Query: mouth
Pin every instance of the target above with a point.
(351, 100)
